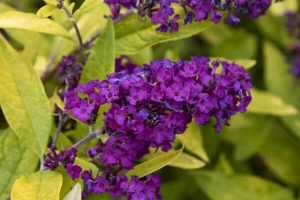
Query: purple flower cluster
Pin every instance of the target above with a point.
(69, 71)
(294, 59)
(149, 106)
(197, 10)
(119, 185)
(66, 158)
(293, 24)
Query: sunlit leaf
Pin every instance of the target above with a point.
(172, 55)
(264, 102)
(74, 194)
(193, 138)
(30, 22)
(101, 61)
(231, 47)
(248, 132)
(154, 164)
(224, 165)
(31, 50)
(15, 161)
(281, 155)
(86, 6)
(23, 96)
(40, 185)
(280, 82)
(184, 160)
(280, 9)
(47, 11)
(221, 186)
(4, 8)
(51, 2)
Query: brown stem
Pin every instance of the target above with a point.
(88, 137)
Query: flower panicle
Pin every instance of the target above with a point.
(162, 11)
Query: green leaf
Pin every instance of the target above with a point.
(143, 56)
(184, 160)
(30, 22)
(51, 2)
(87, 6)
(101, 61)
(23, 96)
(248, 132)
(231, 47)
(133, 35)
(264, 102)
(172, 55)
(47, 11)
(74, 194)
(280, 82)
(85, 165)
(68, 183)
(15, 161)
(37, 186)
(280, 9)
(281, 155)
(155, 164)
(193, 137)
(221, 186)
(4, 7)
(31, 50)
(223, 165)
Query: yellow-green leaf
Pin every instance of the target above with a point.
(221, 186)
(37, 186)
(85, 165)
(51, 2)
(264, 102)
(15, 161)
(87, 6)
(4, 7)
(47, 11)
(31, 49)
(23, 100)
(30, 22)
(101, 61)
(193, 137)
(74, 194)
(154, 164)
(57, 100)
(281, 83)
(186, 161)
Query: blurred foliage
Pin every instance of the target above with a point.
(256, 157)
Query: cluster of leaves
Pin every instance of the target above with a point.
(251, 159)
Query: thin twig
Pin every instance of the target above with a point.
(70, 16)
(61, 118)
(88, 137)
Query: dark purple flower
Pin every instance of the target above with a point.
(100, 185)
(73, 170)
(83, 111)
(110, 155)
